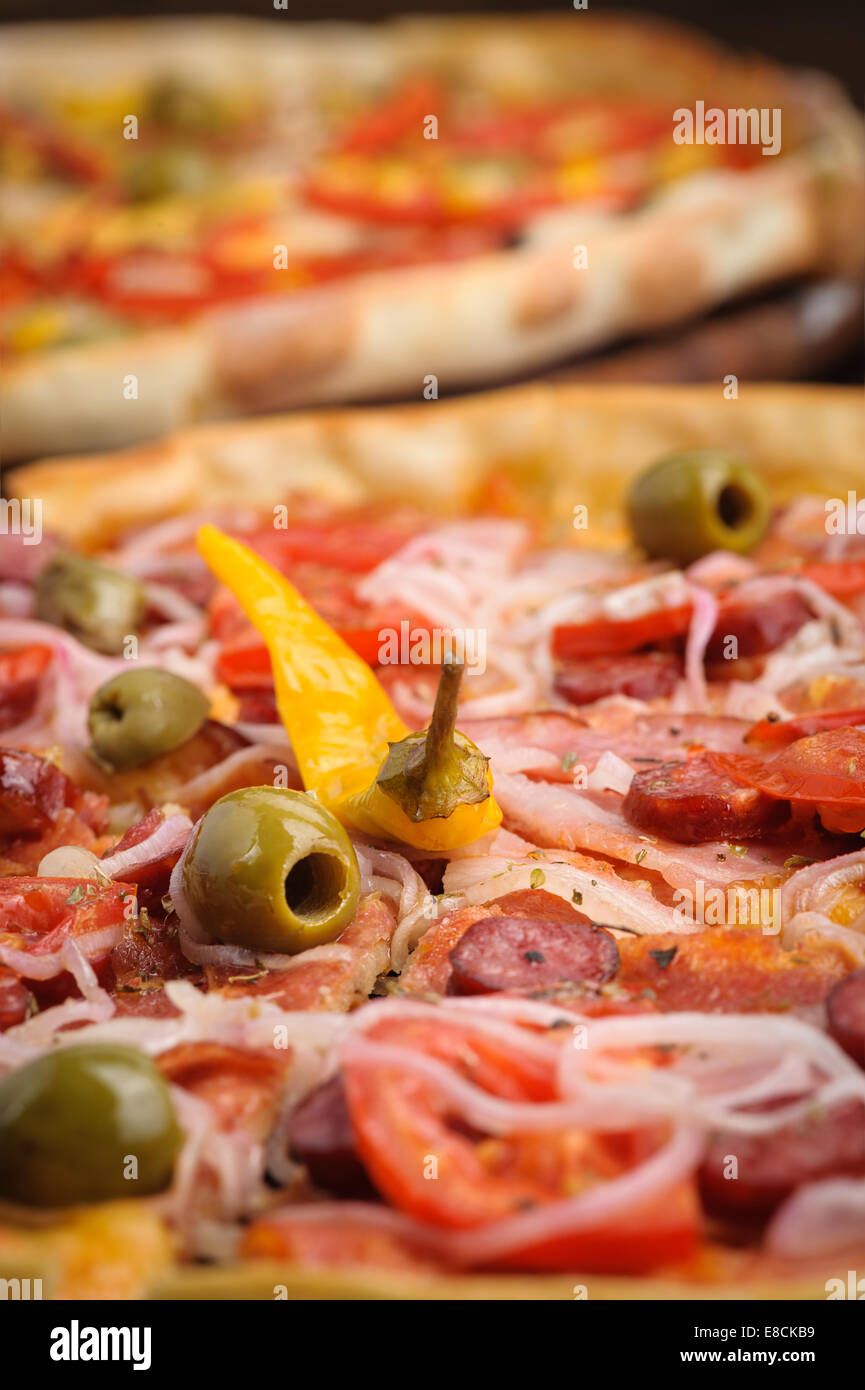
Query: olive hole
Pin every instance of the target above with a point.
(314, 886)
(734, 506)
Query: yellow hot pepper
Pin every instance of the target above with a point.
(430, 790)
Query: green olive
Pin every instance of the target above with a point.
(176, 104)
(98, 605)
(691, 503)
(86, 1123)
(271, 869)
(142, 713)
(164, 173)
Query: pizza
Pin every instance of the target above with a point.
(451, 891)
(204, 219)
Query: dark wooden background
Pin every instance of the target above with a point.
(828, 34)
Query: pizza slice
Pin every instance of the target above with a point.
(440, 905)
(291, 216)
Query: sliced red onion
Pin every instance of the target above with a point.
(19, 632)
(169, 837)
(750, 700)
(719, 567)
(33, 965)
(611, 773)
(388, 867)
(702, 625)
(822, 1218)
(16, 600)
(183, 635)
(206, 786)
(816, 928)
(493, 1115)
(467, 1013)
(816, 887)
(172, 532)
(172, 605)
(602, 896)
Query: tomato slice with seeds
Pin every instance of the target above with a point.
(34, 910)
(20, 674)
(825, 770)
(402, 1121)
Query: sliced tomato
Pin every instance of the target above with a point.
(784, 731)
(20, 674)
(842, 579)
(400, 115)
(17, 282)
(825, 770)
(35, 910)
(244, 663)
(401, 1121)
(432, 206)
(38, 914)
(351, 546)
(610, 636)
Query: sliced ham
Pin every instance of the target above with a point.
(559, 817)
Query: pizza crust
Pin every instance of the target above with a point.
(562, 445)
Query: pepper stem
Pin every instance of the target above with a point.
(429, 774)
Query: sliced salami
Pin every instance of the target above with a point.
(744, 1177)
(322, 1139)
(501, 953)
(757, 628)
(845, 1013)
(640, 675)
(33, 792)
(693, 803)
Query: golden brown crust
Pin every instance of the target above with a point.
(563, 444)
(261, 1280)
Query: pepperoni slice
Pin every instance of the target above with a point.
(322, 1139)
(845, 1011)
(521, 952)
(825, 770)
(693, 802)
(641, 675)
(757, 629)
(33, 792)
(768, 1167)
